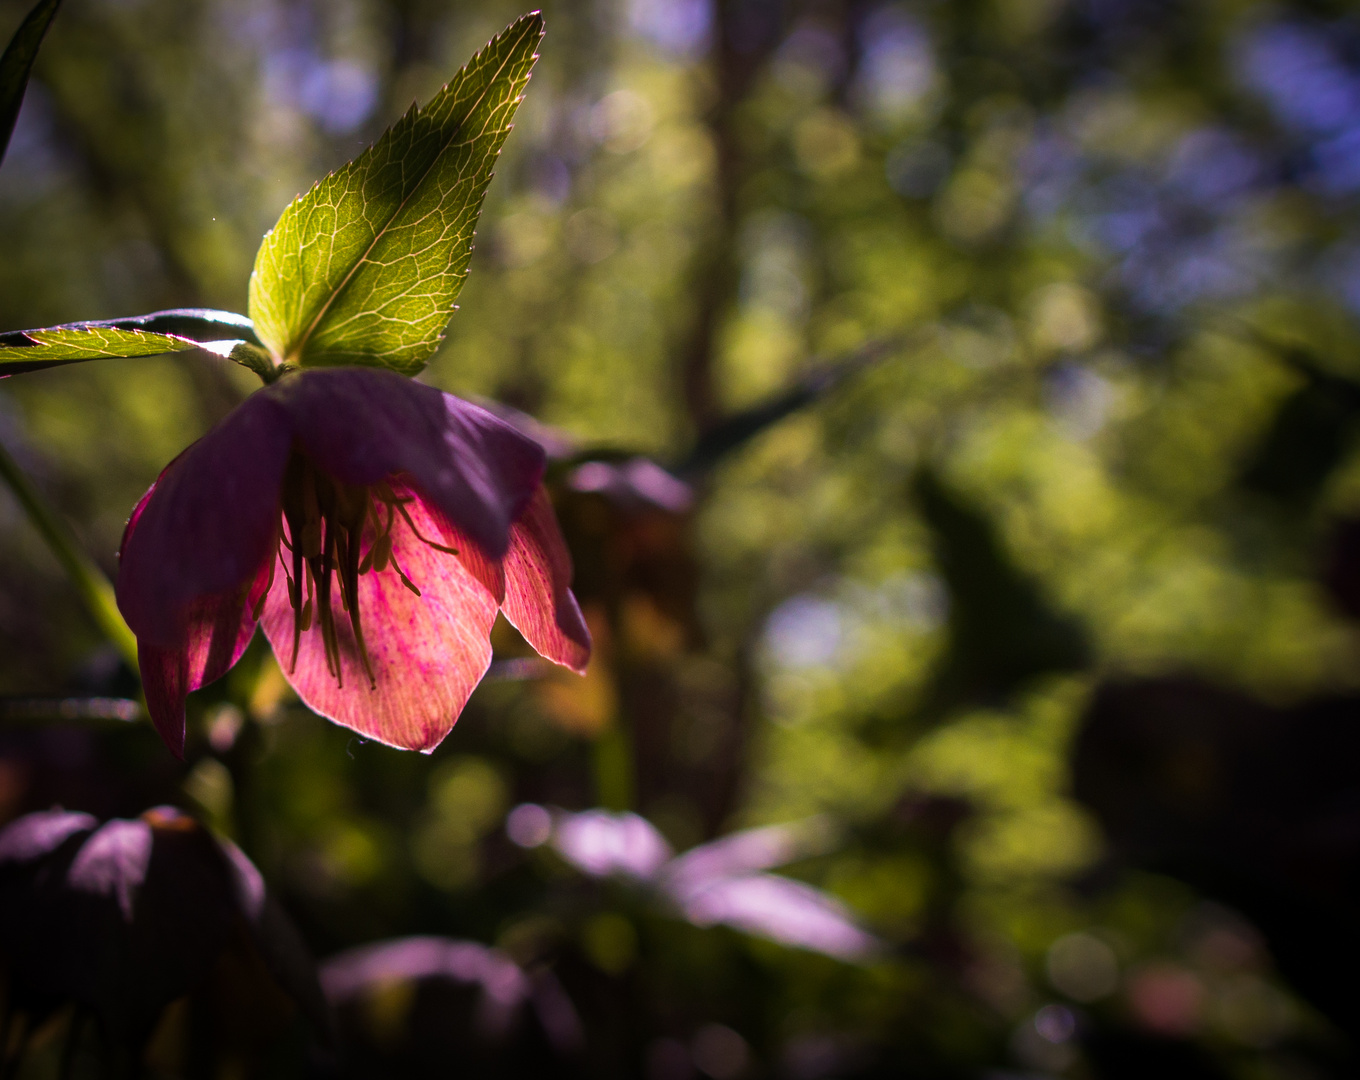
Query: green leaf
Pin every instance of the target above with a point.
(140, 335)
(17, 63)
(197, 324)
(72, 344)
(365, 267)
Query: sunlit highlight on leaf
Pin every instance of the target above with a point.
(365, 267)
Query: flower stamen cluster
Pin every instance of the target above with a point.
(334, 533)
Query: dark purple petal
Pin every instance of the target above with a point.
(362, 426)
(217, 631)
(207, 525)
(504, 997)
(35, 835)
(248, 883)
(634, 484)
(360, 969)
(113, 863)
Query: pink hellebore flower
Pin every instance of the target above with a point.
(374, 525)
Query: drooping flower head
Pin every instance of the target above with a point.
(374, 526)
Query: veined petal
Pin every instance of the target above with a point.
(206, 526)
(487, 570)
(538, 597)
(362, 426)
(219, 629)
(427, 652)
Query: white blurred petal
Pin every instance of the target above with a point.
(782, 910)
(601, 844)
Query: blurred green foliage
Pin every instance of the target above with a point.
(1115, 249)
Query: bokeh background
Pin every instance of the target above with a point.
(1003, 355)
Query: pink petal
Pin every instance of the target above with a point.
(783, 910)
(428, 652)
(475, 561)
(538, 598)
(206, 526)
(362, 426)
(600, 844)
(218, 630)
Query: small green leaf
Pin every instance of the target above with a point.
(17, 63)
(139, 335)
(365, 267)
(71, 344)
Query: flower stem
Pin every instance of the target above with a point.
(613, 762)
(94, 588)
(259, 361)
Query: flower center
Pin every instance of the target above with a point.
(335, 533)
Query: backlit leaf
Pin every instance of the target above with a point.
(141, 335)
(365, 267)
(70, 345)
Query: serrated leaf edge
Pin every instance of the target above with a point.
(415, 109)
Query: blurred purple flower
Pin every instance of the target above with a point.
(634, 484)
(783, 910)
(503, 990)
(720, 882)
(602, 844)
(504, 987)
(740, 853)
(124, 917)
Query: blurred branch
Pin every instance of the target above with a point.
(94, 588)
(740, 50)
(615, 785)
(45, 710)
(731, 432)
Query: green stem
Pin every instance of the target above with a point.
(259, 361)
(94, 588)
(613, 754)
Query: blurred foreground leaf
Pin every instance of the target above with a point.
(1310, 436)
(1003, 631)
(365, 267)
(17, 64)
